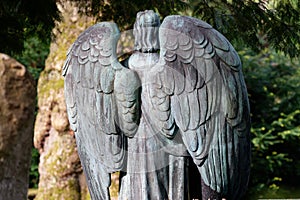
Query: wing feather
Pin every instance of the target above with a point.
(208, 101)
(203, 101)
(195, 112)
(90, 79)
(127, 90)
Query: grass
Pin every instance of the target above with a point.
(283, 192)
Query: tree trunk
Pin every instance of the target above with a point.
(61, 175)
(17, 104)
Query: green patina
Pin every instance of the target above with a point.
(47, 84)
(68, 189)
(57, 165)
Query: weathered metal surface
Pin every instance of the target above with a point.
(148, 118)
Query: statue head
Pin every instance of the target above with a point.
(145, 31)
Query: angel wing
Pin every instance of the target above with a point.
(198, 87)
(102, 104)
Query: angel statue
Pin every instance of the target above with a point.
(179, 103)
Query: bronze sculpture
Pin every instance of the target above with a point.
(183, 95)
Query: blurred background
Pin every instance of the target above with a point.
(266, 34)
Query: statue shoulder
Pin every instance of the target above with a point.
(142, 61)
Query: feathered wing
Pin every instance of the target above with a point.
(97, 114)
(198, 87)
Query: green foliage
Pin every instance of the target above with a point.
(248, 21)
(123, 12)
(34, 55)
(284, 192)
(21, 19)
(283, 30)
(273, 82)
(33, 172)
(236, 19)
